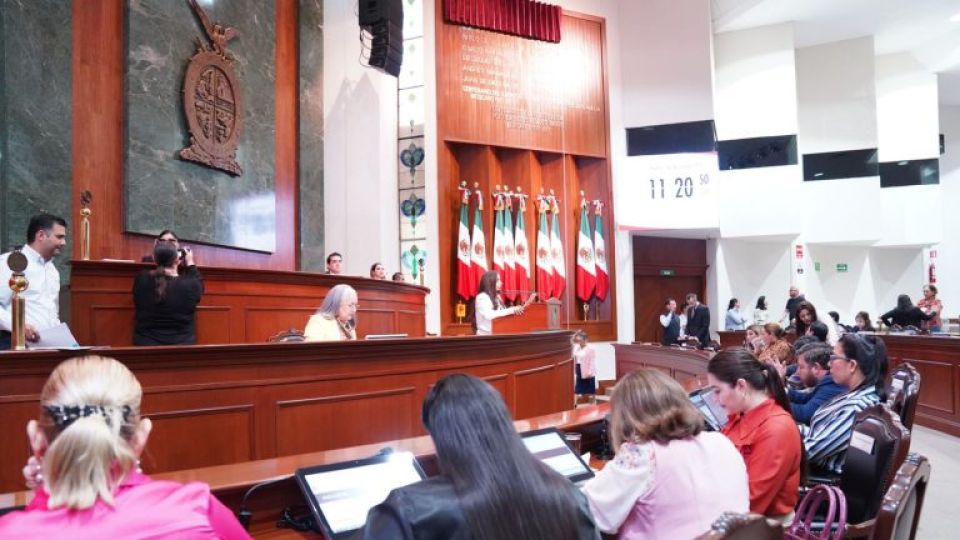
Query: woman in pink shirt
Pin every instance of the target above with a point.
(586, 366)
(670, 479)
(87, 444)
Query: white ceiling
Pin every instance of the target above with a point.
(919, 27)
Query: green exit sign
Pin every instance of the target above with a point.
(667, 272)
(842, 267)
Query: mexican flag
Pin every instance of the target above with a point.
(556, 252)
(522, 255)
(544, 259)
(509, 257)
(478, 247)
(498, 240)
(586, 263)
(466, 288)
(600, 253)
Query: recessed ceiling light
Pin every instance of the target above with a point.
(955, 18)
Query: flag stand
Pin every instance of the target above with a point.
(586, 311)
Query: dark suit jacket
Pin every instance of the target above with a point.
(698, 324)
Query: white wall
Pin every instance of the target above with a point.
(667, 61)
(874, 278)
(360, 130)
(836, 96)
(907, 113)
(948, 251)
(756, 83)
(757, 268)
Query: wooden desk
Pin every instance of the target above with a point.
(685, 365)
(239, 305)
(238, 403)
(230, 482)
(732, 338)
(536, 316)
(937, 358)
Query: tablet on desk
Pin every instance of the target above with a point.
(549, 446)
(341, 494)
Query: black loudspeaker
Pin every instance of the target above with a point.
(384, 20)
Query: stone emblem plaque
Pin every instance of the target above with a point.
(212, 101)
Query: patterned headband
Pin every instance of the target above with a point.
(64, 415)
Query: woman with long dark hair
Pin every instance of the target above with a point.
(906, 314)
(735, 320)
(489, 306)
(166, 298)
(760, 311)
(663, 455)
(861, 323)
(807, 315)
(860, 364)
(490, 487)
(761, 427)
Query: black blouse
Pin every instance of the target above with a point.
(171, 321)
(908, 317)
(430, 510)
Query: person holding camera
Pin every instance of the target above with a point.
(166, 297)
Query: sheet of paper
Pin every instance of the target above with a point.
(56, 337)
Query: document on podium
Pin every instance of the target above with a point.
(55, 337)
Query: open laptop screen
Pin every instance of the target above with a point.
(341, 494)
(549, 446)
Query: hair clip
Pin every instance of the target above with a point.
(64, 415)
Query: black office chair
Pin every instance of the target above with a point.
(878, 445)
(903, 393)
(900, 512)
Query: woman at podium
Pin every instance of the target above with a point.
(488, 305)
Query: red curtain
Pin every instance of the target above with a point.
(524, 18)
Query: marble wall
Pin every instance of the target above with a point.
(161, 191)
(312, 256)
(35, 113)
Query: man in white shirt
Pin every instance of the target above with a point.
(46, 238)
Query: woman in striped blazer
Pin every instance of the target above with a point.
(860, 364)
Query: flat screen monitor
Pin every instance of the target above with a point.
(549, 446)
(341, 494)
(705, 399)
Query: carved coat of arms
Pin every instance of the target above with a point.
(212, 101)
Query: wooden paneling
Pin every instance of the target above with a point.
(680, 254)
(219, 404)
(98, 139)
(239, 305)
(524, 130)
(687, 366)
(227, 432)
(687, 262)
(938, 361)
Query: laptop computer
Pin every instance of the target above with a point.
(385, 336)
(705, 400)
(341, 494)
(549, 446)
